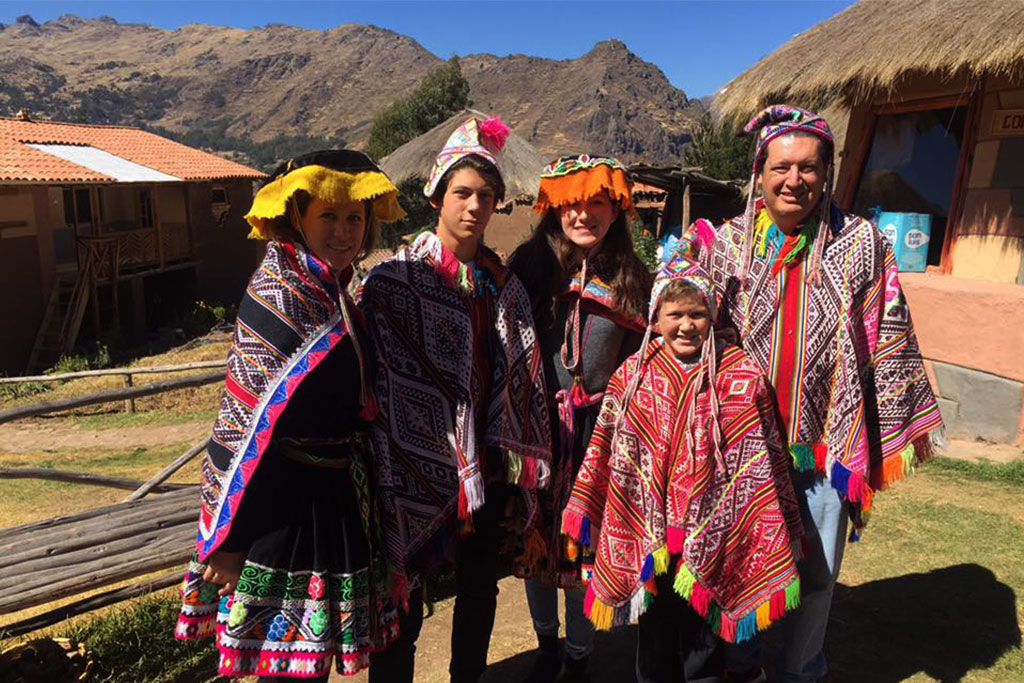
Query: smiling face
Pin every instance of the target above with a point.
(586, 223)
(793, 179)
(684, 323)
(334, 231)
(465, 209)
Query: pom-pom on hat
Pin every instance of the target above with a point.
(572, 179)
(335, 175)
(484, 138)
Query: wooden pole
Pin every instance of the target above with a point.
(108, 396)
(166, 472)
(76, 477)
(181, 367)
(93, 602)
(129, 403)
(686, 204)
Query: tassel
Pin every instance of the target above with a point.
(746, 627)
(534, 550)
(777, 606)
(727, 629)
(572, 523)
(701, 601)
(820, 456)
(601, 615)
(793, 595)
(400, 591)
(370, 409)
(661, 560)
(684, 582)
(572, 550)
(705, 232)
(474, 487)
(648, 570)
(463, 503)
(803, 456)
(675, 539)
(585, 532)
(763, 615)
(588, 601)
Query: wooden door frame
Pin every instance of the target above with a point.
(972, 101)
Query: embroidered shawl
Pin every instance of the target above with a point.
(428, 446)
(288, 321)
(644, 494)
(863, 409)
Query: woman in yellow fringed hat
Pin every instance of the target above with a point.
(287, 571)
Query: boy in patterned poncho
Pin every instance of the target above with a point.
(684, 492)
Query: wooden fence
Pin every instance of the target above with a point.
(150, 530)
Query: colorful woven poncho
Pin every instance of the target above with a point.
(655, 488)
(289, 320)
(853, 393)
(429, 444)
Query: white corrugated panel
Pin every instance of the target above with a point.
(118, 168)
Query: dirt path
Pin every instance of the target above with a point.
(42, 435)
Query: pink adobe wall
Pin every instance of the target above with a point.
(970, 323)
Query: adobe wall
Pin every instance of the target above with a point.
(21, 281)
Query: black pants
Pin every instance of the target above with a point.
(476, 598)
(674, 643)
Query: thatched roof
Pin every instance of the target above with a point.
(521, 163)
(869, 46)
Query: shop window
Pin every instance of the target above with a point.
(912, 166)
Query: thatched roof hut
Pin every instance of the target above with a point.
(521, 163)
(873, 45)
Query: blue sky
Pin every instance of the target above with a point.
(699, 44)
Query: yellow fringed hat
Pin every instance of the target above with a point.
(336, 175)
(572, 179)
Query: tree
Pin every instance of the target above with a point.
(419, 213)
(719, 151)
(442, 93)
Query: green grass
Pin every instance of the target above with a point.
(934, 589)
(136, 644)
(979, 470)
(149, 418)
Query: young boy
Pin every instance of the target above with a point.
(462, 401)
(685, 493)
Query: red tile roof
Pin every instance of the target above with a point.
(19, 162)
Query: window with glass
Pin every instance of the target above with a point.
(912, 166)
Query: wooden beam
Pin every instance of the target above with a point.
(75, 477)
(152, 369)
(166, 472)
(55, 616)
(108, 396)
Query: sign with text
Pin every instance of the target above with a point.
(1008, 122)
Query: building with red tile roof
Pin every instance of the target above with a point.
(93, 217)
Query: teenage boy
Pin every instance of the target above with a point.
(685, 493)
(462, 402)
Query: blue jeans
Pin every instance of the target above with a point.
(825, 516)
(543, 601)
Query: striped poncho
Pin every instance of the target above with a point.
(853, 393)
(654, 501)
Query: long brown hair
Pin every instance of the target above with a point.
(545, 261)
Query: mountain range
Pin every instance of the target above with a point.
(282, 80)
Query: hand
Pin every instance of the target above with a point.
(224, 568)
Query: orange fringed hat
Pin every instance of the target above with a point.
(568, 180)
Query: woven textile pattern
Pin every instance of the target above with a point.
(648, 496)
(862, 392)
(291, 297)
(427, 443)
